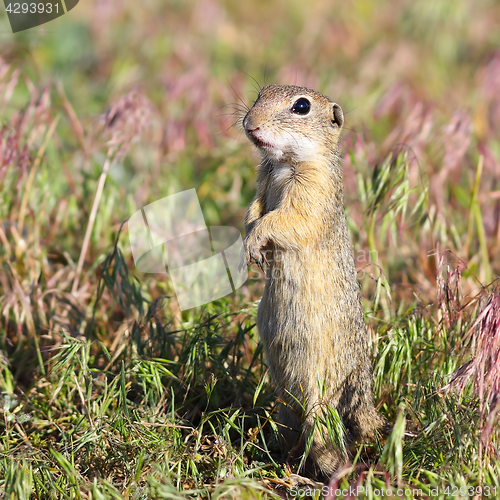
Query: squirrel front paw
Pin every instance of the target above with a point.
(252, 250)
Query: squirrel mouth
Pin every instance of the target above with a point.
(258, 142)
(252, 135)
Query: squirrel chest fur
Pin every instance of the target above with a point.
(310, 318)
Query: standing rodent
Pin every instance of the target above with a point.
(310, 317)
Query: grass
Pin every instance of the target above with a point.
(108, 390)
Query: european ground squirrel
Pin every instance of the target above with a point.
(310, 318)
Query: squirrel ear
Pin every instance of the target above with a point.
(338, 116)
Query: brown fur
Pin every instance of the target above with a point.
(310, 317)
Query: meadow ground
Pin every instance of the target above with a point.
(108, 390)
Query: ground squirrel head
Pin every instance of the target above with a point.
(295, 124)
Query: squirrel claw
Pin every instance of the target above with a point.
(253, 246)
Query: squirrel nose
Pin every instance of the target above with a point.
(248, 125)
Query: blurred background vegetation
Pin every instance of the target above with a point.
(108, 390)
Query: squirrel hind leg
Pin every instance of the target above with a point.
(293, 439)
(357, 410)
(366, 421)
(325, 456)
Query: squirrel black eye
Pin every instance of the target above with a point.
(301, 107)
